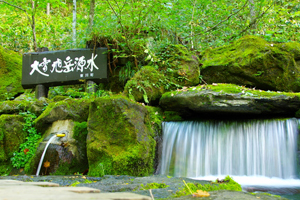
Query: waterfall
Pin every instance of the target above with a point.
(250, 148)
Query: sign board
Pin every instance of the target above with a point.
(53, 68)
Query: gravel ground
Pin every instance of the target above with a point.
(133, 184)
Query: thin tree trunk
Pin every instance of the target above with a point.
(252, 14)
(48, 8)
(33, 27)
(92, 14)
(74, 22)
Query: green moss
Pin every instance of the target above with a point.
(172, 116)
(11, 135)
(59, 98)
(66, 168)
(155, 119)
(150, 186)
(240, 52)
(119, 142)
(11, 107)
(5, 168)
(10, 74)
(265, 194)
(254, 62)
(179, 65)
(146, 85)
(297, 114)
(292, 47)
(234, 89)
(75, 109)
(229, 184)
(80, 131)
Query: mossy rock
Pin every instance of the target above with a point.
(12, 107)
(147, 85)
(254, 62)
(15, 107)
(120, 139)
(11, 135)
(218, 100)
(179, 65)
(10, 74)
(75, 109)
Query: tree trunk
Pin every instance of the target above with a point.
(33, 27)
(74, 23)
(48, 8)
(92, 14)
(252, 15)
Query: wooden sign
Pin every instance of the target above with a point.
(54, 68)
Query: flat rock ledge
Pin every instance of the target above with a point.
(194, 102)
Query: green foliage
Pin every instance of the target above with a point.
(127, 72)
(297, 114)
(172, 116)
(75, 184)
(149, 186)
(28, 148)
(75, 92)
(80, 131)
(146, 25)
(228, 184)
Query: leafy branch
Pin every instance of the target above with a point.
(31, 21)
(226, 19)
(254, 21)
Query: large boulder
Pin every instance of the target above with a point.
(252, 61)
(11, 136)
(147, 85)
(10, 74)
(179, 65)
(176, 67)
(120, 138)
(16, 106)
(75, 109)
(230, 100)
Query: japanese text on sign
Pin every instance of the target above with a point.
(78, 64)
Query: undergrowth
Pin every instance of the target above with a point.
(28, 148)
(227, 184)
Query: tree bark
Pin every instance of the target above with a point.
(92, 14)
(252, 14)
(74, 23)
(33, 27)
(48, 8)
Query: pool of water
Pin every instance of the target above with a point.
(288, 188)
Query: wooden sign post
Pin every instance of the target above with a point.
(54, 68)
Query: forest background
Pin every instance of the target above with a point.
(140, 29)
(197, 24)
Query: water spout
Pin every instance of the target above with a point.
(44, 152)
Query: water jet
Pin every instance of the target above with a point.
(59, 135)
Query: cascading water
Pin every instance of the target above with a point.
(252, 148)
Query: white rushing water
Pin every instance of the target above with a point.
(43, 155)
(261, 149)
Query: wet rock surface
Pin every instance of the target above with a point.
(198, 101)
(133, 184)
